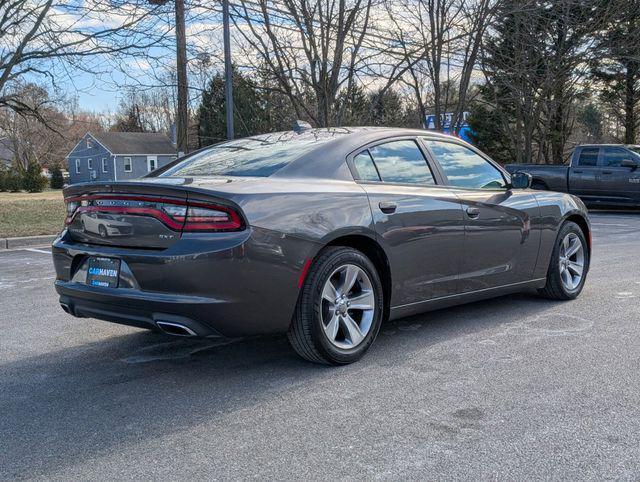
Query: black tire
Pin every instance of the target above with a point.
(306, 333)
(555, 288)
(103, 231)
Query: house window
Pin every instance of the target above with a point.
(152, 163)
(77, 166)
(90, 164)
(127, 164)
(104, 164)
(89, 143)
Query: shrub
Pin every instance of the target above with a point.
(33, 180)
(57, 179)
(13, 180)
(3, 178)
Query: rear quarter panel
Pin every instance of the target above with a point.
(290, 222)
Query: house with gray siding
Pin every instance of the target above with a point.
(117, 156)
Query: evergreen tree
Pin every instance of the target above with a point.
(4, 172)
(352, 109)
(249, 116)
(618, 67)
(591, 120)
(513, 93)
(57, 179)
(33, 180)
(386, 109)
(379, 108)
(13, 180)
(532, 61)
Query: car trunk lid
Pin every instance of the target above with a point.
(143, 214)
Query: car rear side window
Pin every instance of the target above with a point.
(588, 157)
(613, 156)
(366, 168)
(465, 168)
(401, 162)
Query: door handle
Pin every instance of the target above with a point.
(578, 171)
(387, 207)
(473, 213)
(607, 172)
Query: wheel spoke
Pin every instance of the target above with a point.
(362, 301)
(567, 278)
(329, 292)
(565, 245)
(353, 330)
(576, 268)
(350, 277)
(331, 330)
(574, 247)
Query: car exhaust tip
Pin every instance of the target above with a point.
(66, 308)
(175, 329)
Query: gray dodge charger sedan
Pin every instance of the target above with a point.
(320, 233)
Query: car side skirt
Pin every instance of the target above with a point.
(462, 298)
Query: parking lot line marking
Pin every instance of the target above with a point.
(34, 250)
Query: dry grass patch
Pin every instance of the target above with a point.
(31, 214)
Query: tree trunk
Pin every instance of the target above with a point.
(630, 122)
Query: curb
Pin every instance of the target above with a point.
(26, 241)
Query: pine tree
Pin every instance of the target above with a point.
(33, 180)
(57, 179)
(618, 67)
(249, 113)
(4, 172)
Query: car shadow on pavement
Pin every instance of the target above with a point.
(83, 402)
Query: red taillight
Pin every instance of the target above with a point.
(205, 217)
(72, 206)
(177, 214)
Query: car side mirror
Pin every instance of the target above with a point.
(521, 180)
(629, 163)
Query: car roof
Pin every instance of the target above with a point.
(327, 159)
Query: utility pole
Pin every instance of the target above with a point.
(228, 73)
(182, 114)
(182, 118)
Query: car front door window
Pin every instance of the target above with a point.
(613, 156)
(464, 168)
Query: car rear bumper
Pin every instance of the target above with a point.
(236, 284)
(145, 310)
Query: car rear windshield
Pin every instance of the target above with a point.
(259, 156)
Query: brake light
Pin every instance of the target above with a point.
(71, 209)
(211, 218)
(177, 214)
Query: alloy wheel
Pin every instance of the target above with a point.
(571, 261)
(348, 306)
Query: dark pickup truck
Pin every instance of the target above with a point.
(600, 175)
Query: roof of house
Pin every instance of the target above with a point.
(135, 142)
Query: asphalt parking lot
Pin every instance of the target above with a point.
(512, 388)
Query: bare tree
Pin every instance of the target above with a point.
(38, 138)
(449, 35)
(51, 41)
(311, 48)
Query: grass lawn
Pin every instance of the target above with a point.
(26, 214)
